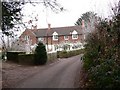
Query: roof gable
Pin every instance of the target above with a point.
(74, 32)
(55, 33)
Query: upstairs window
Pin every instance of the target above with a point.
(66, 37)
(74, 34)
(55, 36)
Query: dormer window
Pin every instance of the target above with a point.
(55, 36)
(74, 35)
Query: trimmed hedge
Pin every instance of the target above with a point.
(51, 57)
(27, 59)
(66, 54)
(13, 55)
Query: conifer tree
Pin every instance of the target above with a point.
(40, 56)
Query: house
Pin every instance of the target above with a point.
(55, 39)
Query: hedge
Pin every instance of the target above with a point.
(13, 55)
(66, 54)
(52, 57)
(27, 59)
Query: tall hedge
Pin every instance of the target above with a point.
(40, 56)
(102, 55)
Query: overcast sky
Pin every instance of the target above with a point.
(74, 9)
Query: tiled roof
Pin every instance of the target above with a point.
(59, 30)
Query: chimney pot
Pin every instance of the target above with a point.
(49, 26)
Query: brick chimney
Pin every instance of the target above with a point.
(49, 26)
(83, 24)
(48, 31)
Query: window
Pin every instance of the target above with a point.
(41, 39)
(27, 37)
(74, 36)
(55, 36)
(66, 37)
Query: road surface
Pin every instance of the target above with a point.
(61, 74)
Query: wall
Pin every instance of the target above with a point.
(28, 33)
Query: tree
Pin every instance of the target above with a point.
(89, 19)
(40, 54)
(12, 16)
(11, 12)
(102, 54)
(86, 17)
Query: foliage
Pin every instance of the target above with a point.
(27, 59)
(10, 15)
(52, 56)
(13, 55)
(66, 54)
(87, 17)
(102, 54)
(40, 56)
(11, 12)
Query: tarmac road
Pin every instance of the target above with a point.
(61, 74)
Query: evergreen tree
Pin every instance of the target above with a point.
(102, 54)
(40, 56)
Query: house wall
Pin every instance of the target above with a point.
(52, 44)
(29, 33)
(61, 40)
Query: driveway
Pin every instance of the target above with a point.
(61, 74)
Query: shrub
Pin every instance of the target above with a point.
(52, 56)
(102, 55)
(62, 54)
(13, 55)
(66, 54)
(40, 56)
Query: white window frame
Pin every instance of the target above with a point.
(27, 38)
(66, 38)
(74, 33)
(40, 39)
(74, 37)
(55, 34)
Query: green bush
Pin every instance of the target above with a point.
(102, 55)
(66, 54)
(52, 56)
(40, 56)
(13, 55)
(62, 54)
(27, 59)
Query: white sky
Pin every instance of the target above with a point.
(74, 9)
